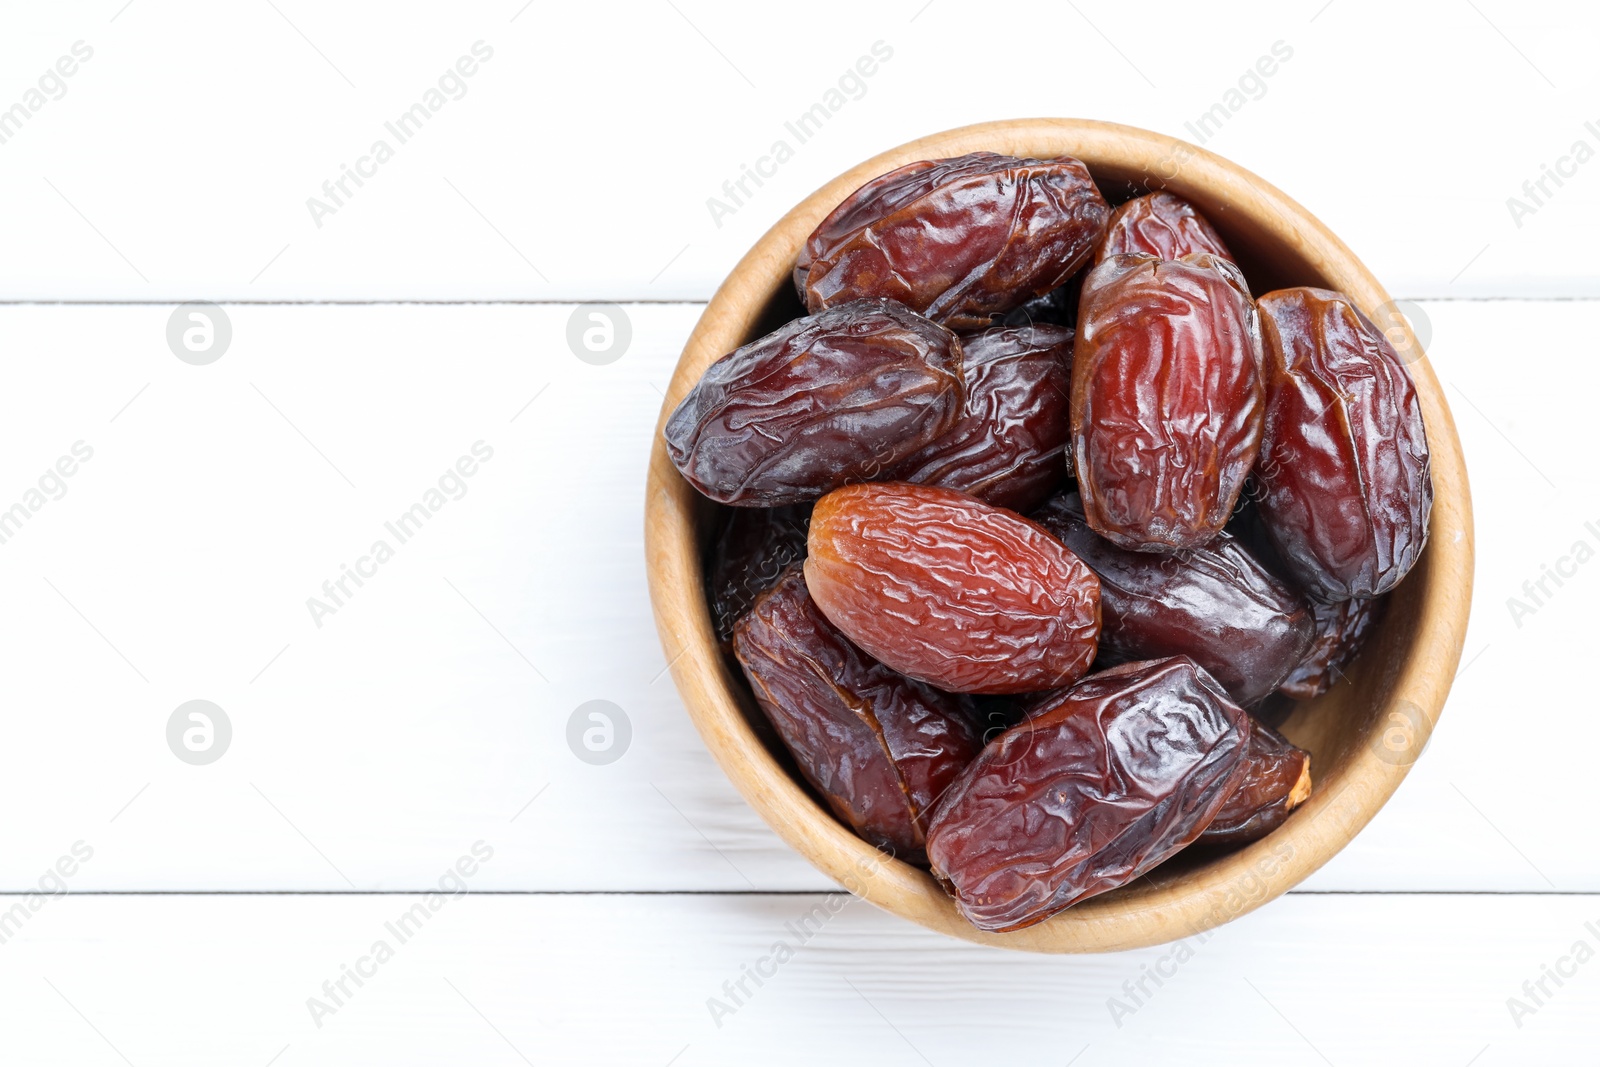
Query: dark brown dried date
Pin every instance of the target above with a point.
(1342, 629)
(1007, 447)
(945, 588)
(1215, 604)
(1162, 224)
(823, 401)
(752, 549)
(1277, 779)
(1166, 399)
(1346, 488)
(1100, 785)
(956, 239)
(880, 747)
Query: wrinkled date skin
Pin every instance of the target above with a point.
(1007, 447)
(752, 549)
(956, 239)
(1162, 224)
(1102, 784)
(949, 590)
(1346, 485)
(880, 747)
(1215, 604)
(822, 401)
(1342, 629)
(1167, 405)
(1277, 779)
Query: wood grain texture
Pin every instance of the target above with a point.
(279, 121)
(406, 726)
(178, 165)
(1409, 663)
(638, 980)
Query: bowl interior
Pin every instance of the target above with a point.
(1363, 734)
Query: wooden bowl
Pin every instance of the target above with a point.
(1363, 734)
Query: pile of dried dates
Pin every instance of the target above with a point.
(1035, 511)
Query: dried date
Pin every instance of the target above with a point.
(956, 239)
(1007, 447)
(1342, 629)
(1215, 604)
(824, 400)
(1346, 486)
(1100, 785)
(752, 549)
(1277, 779)
(947, 589)
(1162, 224)
(1167, 404)
(880, 747)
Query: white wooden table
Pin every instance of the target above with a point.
(411, 733)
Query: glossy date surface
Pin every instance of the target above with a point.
(1216, 604)
(1101, 784)
(1162, 224)
(947, 589)
(1277, 779)
(1167, 403)
(957, 239)
(822, 401)
(1342, 629)
(1346, 484)
(1007, 447)
(751, 550)
(880, 747)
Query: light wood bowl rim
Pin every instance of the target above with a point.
(1411, 681)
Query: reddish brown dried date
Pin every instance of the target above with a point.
(956, 239)
(1346, 488)
(1215, 604)
(1007, 447)
(1277, 779)
(1103, 783)
(880, 747)
(752, 549)
(947, 589)
(1166, 399)
(1162, 224)
(823, 401)
(1342, 629)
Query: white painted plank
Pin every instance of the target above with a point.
(578, 160)
(178, 564)
(598, 979)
